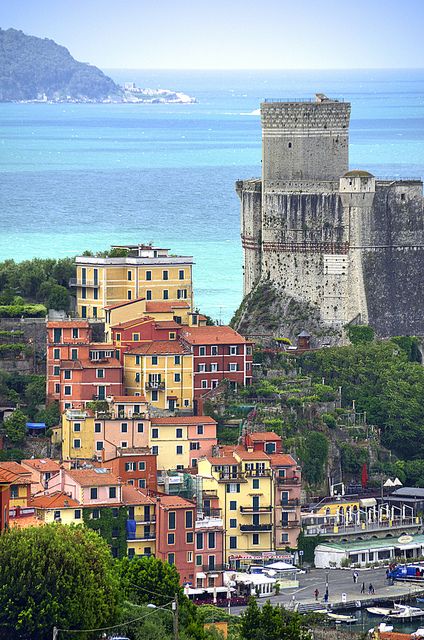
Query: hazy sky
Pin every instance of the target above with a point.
(228, 34)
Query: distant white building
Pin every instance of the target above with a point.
(363, 552)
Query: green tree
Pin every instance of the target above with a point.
(314, 455)
(359, 334)
(50, 415)
(250, 621)
(15, 426)
(149, 579)
(55, 575)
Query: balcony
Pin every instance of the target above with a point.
(294, 480)
(290, 504)
(155, 384)
(208, 568)
(266, 509)
(210, 493)
(255, 527)
(258, 473)
(141, 537)
(76, 282)
(355, 528)
(142, 520)
(290, 524)
(231, 477)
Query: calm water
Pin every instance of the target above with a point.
(77, 177)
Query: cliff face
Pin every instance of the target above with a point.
(34, 68)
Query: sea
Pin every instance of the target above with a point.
(85, 176)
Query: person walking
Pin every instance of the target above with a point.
(355, 577)
(316, 592)
(326, 596)
(363, 588)
(370, 589)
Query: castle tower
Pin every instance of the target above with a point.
(305, 140)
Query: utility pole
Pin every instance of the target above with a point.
(175, 614)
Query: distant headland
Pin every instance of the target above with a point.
(39, 70)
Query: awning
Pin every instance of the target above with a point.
(36, 425)
(200, 575)
(172, 397)
(368, 502)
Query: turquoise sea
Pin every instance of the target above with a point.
(75, 177)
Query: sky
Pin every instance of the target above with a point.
(228, 34)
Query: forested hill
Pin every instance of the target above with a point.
(34, 68)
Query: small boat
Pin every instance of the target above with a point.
(340, 618)
(381, 611)
(405, 613)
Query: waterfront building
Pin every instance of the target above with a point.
(141, 271)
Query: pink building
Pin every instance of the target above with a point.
(42, 469)
(209, 550)
(90, 487)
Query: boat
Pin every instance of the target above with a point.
(382, 628)
(419, 599)
(341, 618)
(381, 611)
(404, 612)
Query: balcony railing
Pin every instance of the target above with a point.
(286, 481)
(231, 477)
(210, 493)
(142, 520)
(290, 524)
(290, 504)
(77, 282)
(141, 537)
(209, 568)
(153, 384)
(361, 527)
(255, 527)
(252, 509)
(258, 473)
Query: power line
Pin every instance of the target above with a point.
(155, 593)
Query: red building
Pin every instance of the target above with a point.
(136, 467)
(82, 381)
(131, 333)
(219, 353)
(209, 566)
(175, 532)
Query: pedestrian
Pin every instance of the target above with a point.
(355, 577)
(370, 589)
(316, 592)
(363, 588)
(326, 596)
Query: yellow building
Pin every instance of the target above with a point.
(243, 483)
(57, 507)
(141, 272)
(141, 529)
(340, 508)
(20, 483)
(162, 371)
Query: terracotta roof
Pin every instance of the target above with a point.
(26, 521)
(282, 460)
(4, 477)
(122, 304)
(102, 345)
(174, 501)
(92, 478)
(133, 323)
(263, 436)
(111, 363)
(212, 335)
(183, 420)
(14, 473)
(250, 455)
(167, 324)
(131, 495)
(129, 399)
(157, 347)
(42, 464)
(65, 324)
(222, 460)
(153, 306)
(56, 500)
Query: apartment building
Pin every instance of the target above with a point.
(175, 532)
(140, 271)
(20, 484)
(180, 441)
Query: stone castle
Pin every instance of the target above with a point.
(345, 246)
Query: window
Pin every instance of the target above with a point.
(189, 537)
(96, 297)
(130, 466)
(255, 538)
(141, 483)
(124, 427)
(182, 294)
(181, 274)
(129, 275)
(171, 558)
(56, 371)
(179, 449)
(99, 445)
(189, 556)
(189, 519)
(177, 359)
(194, 319)
(214, 350)
(140, 427)
(56, 354)
(136, 337)
(155, 433)
(199, 541)
(233, 351)
(165, 275)
(211, 540)
(137, 359)
(172, 335)
(233, 523)
(97, 427)
(93, 493)
(137, 377)
(255, 483)
(165, 294)
(77, 426)
(284, 537)
(171, 538)
(95, 513)
(57, 335)
(155, 393)
(200, 429)
(100, 373)
(57, 388)
(214, 367)
(177, 377)
(67, 405)
(67, 374)
(233, 505)
(199, 561)
(249, 351)
(186, 403)
(233, 366)
(178, 433)
(233, 542)
(101, 392)
(148, 294)
(112, 492)
(131, 552)
(194, 462)
(83, 293)
(118, 337)
(83, 312)
(148, 275)
(141, 466)
(155, 450)
(202, 351)
(233, 487)
(68, 391)
(14, 491)
(129, 295)
(154, 359)
(56, 515)
(171, 520)
(204, 384)
(194, 446)
(124, 445)
(77, 443)
(77, 514)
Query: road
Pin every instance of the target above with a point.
(339, 581)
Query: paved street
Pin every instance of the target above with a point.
(341, 581)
